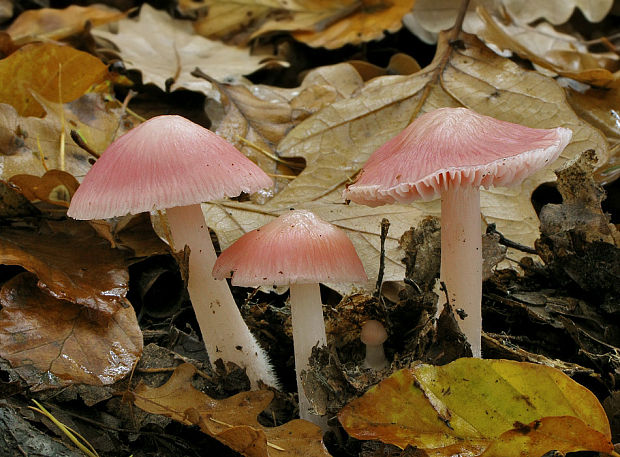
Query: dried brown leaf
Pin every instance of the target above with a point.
(167, 51)
(429, 17)
(233, 421)
(542, 45)
(64, 339)
(56, 24)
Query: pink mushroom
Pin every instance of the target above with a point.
(168, 162)
(373, 335)
(452, 152)
(297, 249)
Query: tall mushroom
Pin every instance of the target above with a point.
(169, 162)
(452, 152)
(301, 250)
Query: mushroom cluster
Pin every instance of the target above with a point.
(171, 163)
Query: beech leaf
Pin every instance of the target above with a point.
(59, 337)
(480, 407)
(55, 72)
(233, 421)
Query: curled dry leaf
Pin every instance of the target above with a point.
(55, 72)
(336, 141)
(55, 187)
(166, 51)
(429, 17)
(72, 264)
(56, 24)
(480, 407)
(542, 45)
(64, 339)
(233, 421)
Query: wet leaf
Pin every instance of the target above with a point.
(72, 264)
(56, 24)
(55, 187)
(55, 72)
(64, 339)
(166, 51)
(480, 407)
(336, 141)
(233, 421)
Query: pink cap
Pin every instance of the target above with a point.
(458, 145)
(165, 162)
(373, 333)
(296, 248)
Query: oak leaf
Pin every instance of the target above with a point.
(59, 338)
(166, 51)
(480, 407)
(233, 421)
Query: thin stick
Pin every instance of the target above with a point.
(273, 157)
(385, 227)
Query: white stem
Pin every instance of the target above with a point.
(461, 257)
(308, 331)
(375, 357)
(224, 331)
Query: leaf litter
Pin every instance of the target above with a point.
(319, 129)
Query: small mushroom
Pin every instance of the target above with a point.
(300, 250)
(168, 162)
(452, 152)
(373, 335)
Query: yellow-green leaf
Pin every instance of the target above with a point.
(480, 407)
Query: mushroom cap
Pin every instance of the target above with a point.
(165, 162)
(454, 145)
(373, 333)
(296, 248)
